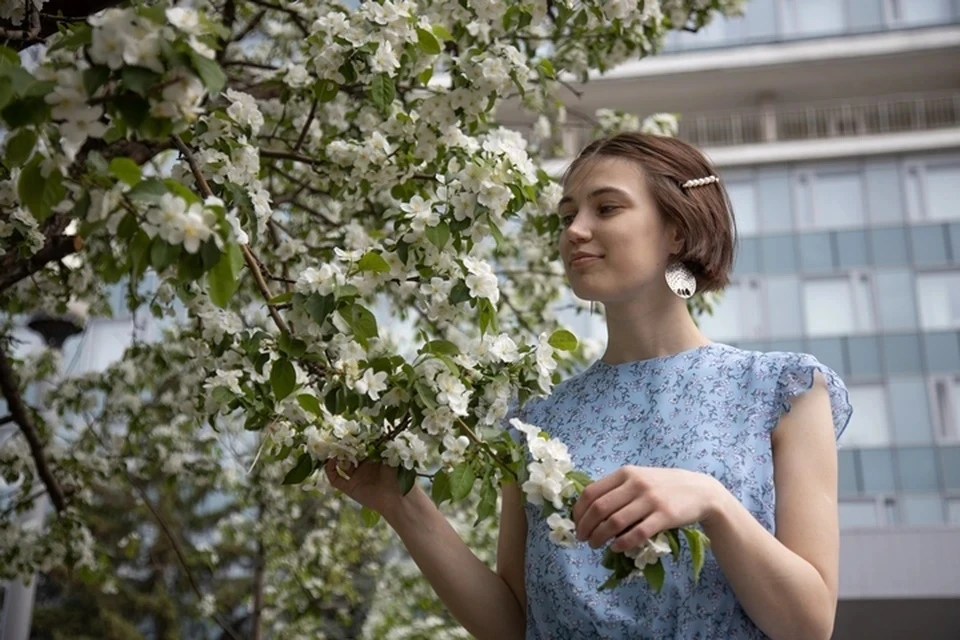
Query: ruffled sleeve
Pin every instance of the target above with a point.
(796, 377)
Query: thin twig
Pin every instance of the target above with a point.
(569, 86)
(286, 155)
(20, 415)
(248, 63)
(248, 256)
(306, 126)
(314, 212)
(6, 420)
(486, 447)
(296, 17)
(254, 22)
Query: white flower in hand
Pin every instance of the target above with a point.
(650, 552)
(562, 530)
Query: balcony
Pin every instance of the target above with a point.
(777, 21)
(782, 123)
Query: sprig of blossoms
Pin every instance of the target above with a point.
(553, 483)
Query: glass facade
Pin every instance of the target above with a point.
(767, 21)
(859, 264)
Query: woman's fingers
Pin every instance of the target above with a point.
(609, 515)
(639, 533)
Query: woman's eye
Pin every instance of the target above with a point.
(566, 221)
(608, 208)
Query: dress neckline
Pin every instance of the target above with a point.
(600, 364)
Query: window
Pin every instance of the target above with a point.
(929, 245)
(829, 351)
(923, 12)
(955, 241)
(812, 17)
(743, 198)
(837, 200)
(869, 425)
(946, 403)
(950, 459)
(896, 304)
(738, 315)
(901, 354)
(918, 469)
(748, 256)
(784, 319)
(864, 354)
(888, 247)
(921, 510)
(773, 200)
(852, 249)
(883, 190)
(939, 300)
(858, 514)
(877, 467)
(910, 412)
(838, 306)
(941, 183)
(953, 511)
(777, 254)
(942, 351)
(816, 252)
(847, 470)
(865, 15)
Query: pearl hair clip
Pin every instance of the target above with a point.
(699, 182)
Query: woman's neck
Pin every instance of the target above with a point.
(637, 331)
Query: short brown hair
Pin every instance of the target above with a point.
(702, 215)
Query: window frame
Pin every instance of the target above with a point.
(915, 167)
(946, 419)
(853, 277)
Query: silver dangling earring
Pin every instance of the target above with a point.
(681, 280)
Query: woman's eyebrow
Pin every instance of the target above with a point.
(600, 191)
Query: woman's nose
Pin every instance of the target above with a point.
(579, 230)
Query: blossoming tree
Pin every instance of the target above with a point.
(350, 257)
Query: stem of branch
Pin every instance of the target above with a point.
(20, 415)
(286, 155)
(250, 26)
(306, 126)
(56, 247)
(483, 445)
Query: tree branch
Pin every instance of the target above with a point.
(254, 22)
(13, 268)
(20, 415)
(296, 17)
(306, 126)
(286, 155)
(248, 257)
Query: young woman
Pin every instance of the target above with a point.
(676, 429)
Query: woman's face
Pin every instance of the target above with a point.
(614, 244)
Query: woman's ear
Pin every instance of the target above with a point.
(674, 240)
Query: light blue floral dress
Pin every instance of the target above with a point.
(709, 409)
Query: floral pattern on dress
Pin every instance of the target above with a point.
(710, 409)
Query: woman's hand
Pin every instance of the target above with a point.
(373, 484)
(633, 504)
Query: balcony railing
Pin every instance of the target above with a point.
(786, 123)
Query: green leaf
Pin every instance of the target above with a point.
(580, 478)
(428, 42)
(38, 193)
(609, 560)
(127, 170)
(319, 307)
(209, 71)
(293, 347)
(698, 547)
(9, 56)
(163, 254)
(461, 481)
(325, 90)
(282, 298)
(132, 108)
(438, 234)
(497, 234)
(382, 91)
(426, 396)
(407, 478)
(95, 77)
(138, 79)
(440, 491)
(563, 340)
(459, 293)
(310, 403)
(283, 378)
(441, 32)
(222, 278)
(373, 261)
(488, 315)
(139, 253)
(425, 75)
(6, 90)
(149, 190)
(300, 472)
(369, 517)
(674, 543)
(611, 583)
(19, 147)
(362, 321)
(547, 68)
(26, 111)
(441, 347)
(488, 503)
(655, 575)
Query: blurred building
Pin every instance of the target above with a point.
(836, 127)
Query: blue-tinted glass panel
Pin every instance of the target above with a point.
(877, 470)
(790, 346)
(829, 351)
(924, 12)
(782, 299)
(896, 302)
(838, 200)
(816, 252)
(918, 469)
(950, 459)
(955, 242)
(748, 256)
(910, 411)
(865, 15)
(852, 249)
(813, 17)
(929, 245)
(864, 352)
(777, 254)
(888, 247)
(884, 197)
(941, 182)
(848, 472)
(922, 511)
(773, 200)
(760, 20)
(942, 351)
(901, 354)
